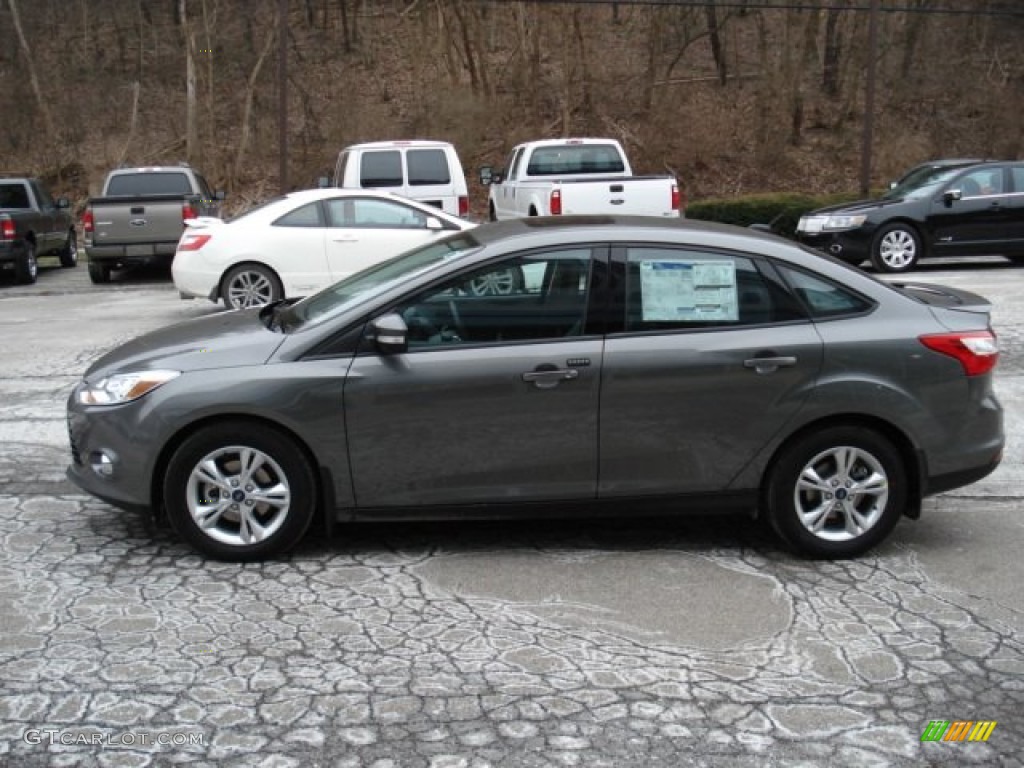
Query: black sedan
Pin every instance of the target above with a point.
(952, 209)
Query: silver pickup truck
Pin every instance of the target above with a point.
(141, 216)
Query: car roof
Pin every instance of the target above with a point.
(401, 144)
(611, 227)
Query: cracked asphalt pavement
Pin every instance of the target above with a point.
(646, 642)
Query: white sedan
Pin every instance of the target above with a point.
(297, 244)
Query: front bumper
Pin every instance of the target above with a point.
(851, 245)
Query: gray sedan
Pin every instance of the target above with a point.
(639, 366)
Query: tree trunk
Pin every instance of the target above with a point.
(717, 49)
(830, 62)
(44, 110)
(191, 108)
(250, 91)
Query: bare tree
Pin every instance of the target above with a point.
(44, 110)
(191, 106)
(250, 90)
(717, 48)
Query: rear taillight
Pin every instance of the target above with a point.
(675, 197)
(6, 228)
(556, 202)
(190, 242)
(977, 351)
(188, 212)
(88, 222)
(463, 205)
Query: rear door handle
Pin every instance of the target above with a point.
(546, 379)
(769, 364)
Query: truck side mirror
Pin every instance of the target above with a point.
(63, 203)
(486, 175)
(219, 195)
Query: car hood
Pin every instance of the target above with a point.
(860, 206)
(224, 340)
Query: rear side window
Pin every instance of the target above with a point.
(307, 216)
(1018, 178)
(381, 169)
(149, 184)
(13, 196)
(427, 166)
(823, 298)
(680, 289)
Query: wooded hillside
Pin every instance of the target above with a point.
(732, 96)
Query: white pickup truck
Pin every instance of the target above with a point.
(575, 176)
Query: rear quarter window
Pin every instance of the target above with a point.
(824, 298)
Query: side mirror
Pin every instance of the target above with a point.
(390, 334)
(487, 175)
(63, 203)
(323, 182)
(219, 195)
(892, 184)
(950, 195)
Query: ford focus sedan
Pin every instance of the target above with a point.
(299, 243)
(640, 366)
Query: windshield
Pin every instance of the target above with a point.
(375, 280)
(921, 183)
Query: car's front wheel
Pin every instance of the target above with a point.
(896, 248)
(837, 492)
(250, 285)
(240, 491)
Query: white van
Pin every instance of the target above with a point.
(428, 171)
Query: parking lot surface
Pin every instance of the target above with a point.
(633, 642)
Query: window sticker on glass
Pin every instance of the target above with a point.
(686, 290)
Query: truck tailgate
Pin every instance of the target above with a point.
(127, 220)
(636, 195)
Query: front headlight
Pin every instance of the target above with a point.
(845, 222)
(123, 387)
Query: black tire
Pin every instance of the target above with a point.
(69, 253)
(839, 502)
(99, 273)
(491, 213)
(280, 463)
(250, 285)
(896, 248)
(26, 269)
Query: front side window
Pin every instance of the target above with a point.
(982, 182)
(513, 163)
(45, 201)
(308, 215)
(679, 289)
(374, 214)
(523, 299)
(427, 166)
(381, 169)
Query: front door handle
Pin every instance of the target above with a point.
(548, 378)
(769, 364)
(349, 239)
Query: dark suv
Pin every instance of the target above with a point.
(950, 208)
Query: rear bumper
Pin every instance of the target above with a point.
(10, 253)
(136, 253)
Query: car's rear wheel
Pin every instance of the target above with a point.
(27, 269)
(99, 273)
(837, 492)
(250, 285)
(897, 248)
(69, 253)
(240, 491)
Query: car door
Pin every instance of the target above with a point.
(712, 358)
(1016, 204)
(366, 230)
(48, 236)
(496, 398)
(293, 246)
(505, 195)
(980, 221)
